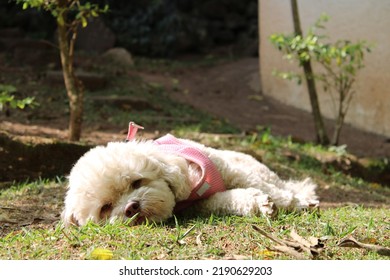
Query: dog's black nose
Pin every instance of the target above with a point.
(132, 208)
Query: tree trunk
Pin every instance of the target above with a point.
(73, 87)
(339, 121)
(320, 130)
(337, 131)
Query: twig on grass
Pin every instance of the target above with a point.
(351, 242)
(298, 247)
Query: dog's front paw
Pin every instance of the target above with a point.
(306, 204)
(266, 206)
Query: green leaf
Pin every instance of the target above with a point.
(60, 20)
(84, 21)
(94, 13)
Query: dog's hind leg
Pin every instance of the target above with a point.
(242, 171)
(241, 202)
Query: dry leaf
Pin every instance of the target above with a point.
(238, 257)
(299, 247)
(294, 235)
(269, 236)
(314, 241)
(290, 251)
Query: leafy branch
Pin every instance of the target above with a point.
(339, 61)
(69, 14)
(8, 99)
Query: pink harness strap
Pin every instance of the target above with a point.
(209, 183)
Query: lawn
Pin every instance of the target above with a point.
(31, 229)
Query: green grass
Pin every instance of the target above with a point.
(191, 236)
(201, 237)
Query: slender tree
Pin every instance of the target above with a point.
(320, 129)
(70, 15)
(338, 64)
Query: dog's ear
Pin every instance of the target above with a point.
(175, 173)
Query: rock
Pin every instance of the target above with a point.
(96, 37)
(33, 52)
(118, 56)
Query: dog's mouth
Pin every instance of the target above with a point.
(141, 219)
(137, 219)
(137, 212)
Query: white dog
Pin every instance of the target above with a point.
(152, 180)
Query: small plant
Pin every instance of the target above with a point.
(339, 61)
(7, 99)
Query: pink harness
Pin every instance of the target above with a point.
(209, 183)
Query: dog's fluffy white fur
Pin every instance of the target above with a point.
(121, 179)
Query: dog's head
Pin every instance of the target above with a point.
(121, 180)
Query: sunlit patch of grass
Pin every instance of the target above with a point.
(191, 236)
(27, 188)
(201, 237)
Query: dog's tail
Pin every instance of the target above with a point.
(304, 195)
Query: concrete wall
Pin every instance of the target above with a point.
(349, 19)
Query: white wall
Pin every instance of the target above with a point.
(349, 19)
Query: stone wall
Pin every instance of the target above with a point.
(349, 19)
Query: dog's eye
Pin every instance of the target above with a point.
(136, 184)
(105, 210)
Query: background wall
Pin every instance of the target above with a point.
(349, 19)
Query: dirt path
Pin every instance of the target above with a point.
(231, 91)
